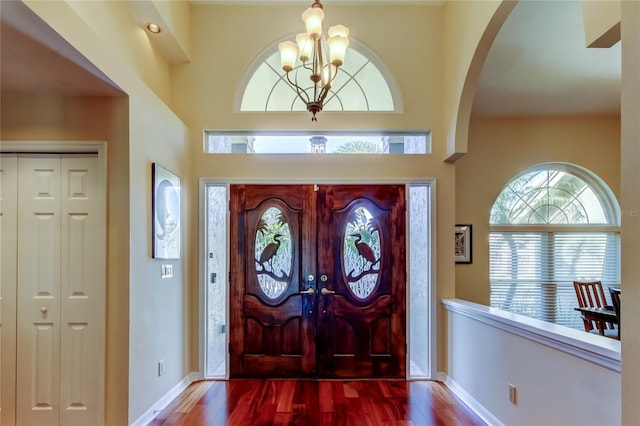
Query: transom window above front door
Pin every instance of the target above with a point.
(326, 142)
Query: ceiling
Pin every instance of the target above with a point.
(538, 64)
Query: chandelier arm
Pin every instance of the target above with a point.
(298, 90)
(334, 76)
(323, 93)
(326, 88)
(319, 66)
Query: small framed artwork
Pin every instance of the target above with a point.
(463, 244)
(165, 201)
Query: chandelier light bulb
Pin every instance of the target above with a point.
(312, 18)
(288, 55)
(338, 31)
(305, 46)
(328, 73)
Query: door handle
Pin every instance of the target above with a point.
(308, 291)
(325, 291)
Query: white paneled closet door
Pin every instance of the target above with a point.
(8, 286)
(39, 258)
(60, 291)
(82, 292)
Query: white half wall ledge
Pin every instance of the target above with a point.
(599, 350)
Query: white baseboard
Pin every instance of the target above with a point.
(470, 401)
(162, 403)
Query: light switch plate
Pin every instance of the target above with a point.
(513, 396)
(166, 271)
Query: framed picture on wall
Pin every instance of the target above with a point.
(463, 244)
(165, 200)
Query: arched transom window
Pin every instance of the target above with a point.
(360, 85)
(551, 225)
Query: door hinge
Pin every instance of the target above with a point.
(229, 348)
(316, 188)
(213, 277)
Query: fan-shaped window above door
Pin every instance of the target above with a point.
(362, 84)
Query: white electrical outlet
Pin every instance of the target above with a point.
(513, 397)
(160, 367)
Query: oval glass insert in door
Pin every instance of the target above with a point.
(361, 253)
(273, 252)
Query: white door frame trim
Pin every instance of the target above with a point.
(433, 305)
(80, 147)
(57, 147)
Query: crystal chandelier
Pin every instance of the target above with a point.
(310, 55)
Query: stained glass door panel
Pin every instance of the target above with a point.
(361, 324)
(317, 281)
(271, 309)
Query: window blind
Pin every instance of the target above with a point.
(532, 273)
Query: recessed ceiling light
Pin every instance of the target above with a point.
(153, 28)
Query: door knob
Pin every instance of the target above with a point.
(308, 291)
(44, 310)
(325, 291)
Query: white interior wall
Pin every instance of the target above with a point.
(553, 387)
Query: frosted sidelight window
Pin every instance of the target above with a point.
(216, 274)
(420, 297)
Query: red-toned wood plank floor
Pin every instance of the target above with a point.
(316, 403)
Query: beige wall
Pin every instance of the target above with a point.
(160, 309)
(501, 148)
(110, 30)
(630, 12)
(469, 29)
(224, 44)
(204, 92)
(149, 319)
(142, 129)
(56, 118)
(601, 22)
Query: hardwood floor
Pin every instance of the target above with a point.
(316, 403)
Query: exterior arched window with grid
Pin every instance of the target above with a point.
(362, 84)
(551, 225)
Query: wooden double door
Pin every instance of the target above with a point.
(317, 282)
